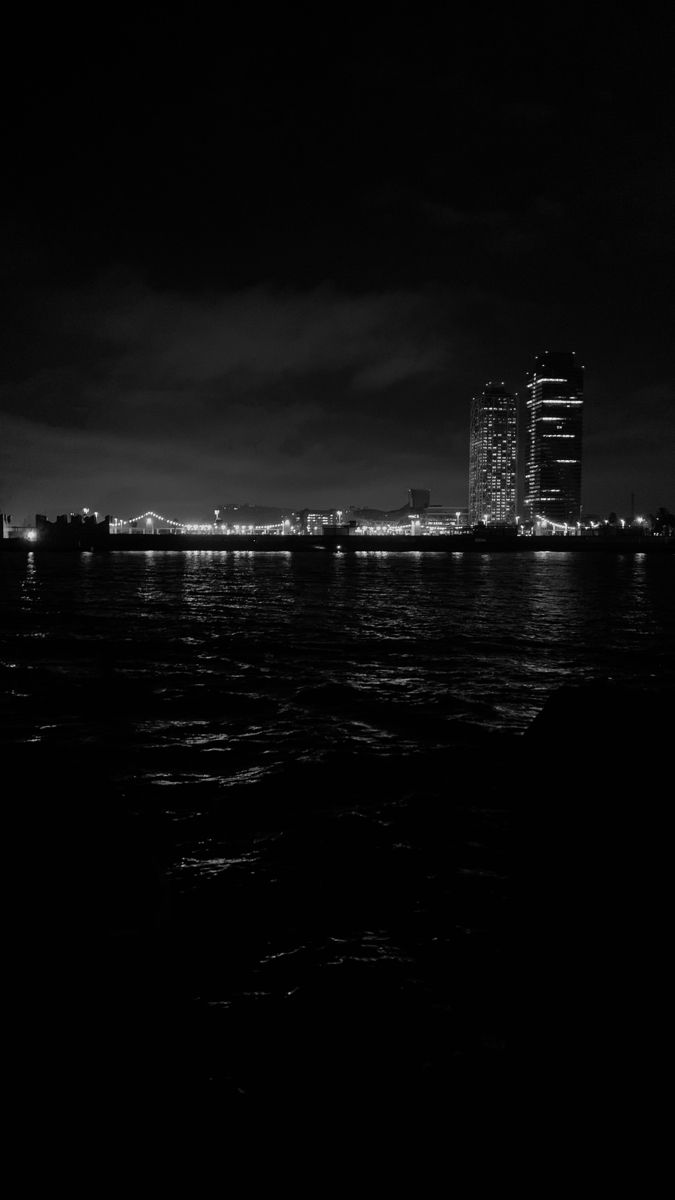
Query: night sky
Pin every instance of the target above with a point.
(273, 263)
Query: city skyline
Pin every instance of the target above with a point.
(286, 284)
(444, 479)
(550, 476)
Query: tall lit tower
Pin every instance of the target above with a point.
(555, 409)
(493, 456)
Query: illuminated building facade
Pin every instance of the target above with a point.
(555, 410)
(440, 518)
(314, 521)
(493, 456)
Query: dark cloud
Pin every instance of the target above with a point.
(175, 401)
(291, 396)
(259, 332)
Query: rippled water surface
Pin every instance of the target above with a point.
(275, 737)
(262, 656)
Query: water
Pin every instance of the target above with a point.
(254, 777)
(271, 657)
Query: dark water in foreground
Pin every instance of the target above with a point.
(269, 806)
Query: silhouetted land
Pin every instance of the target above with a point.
(515, 893)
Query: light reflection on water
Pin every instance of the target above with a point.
(298, 653)
(30, 582)
(223, 691)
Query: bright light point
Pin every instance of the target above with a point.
(31, 536)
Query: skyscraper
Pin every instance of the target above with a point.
(493, 456)
(555, 408)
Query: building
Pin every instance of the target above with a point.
(493, 456)
(419, 499)
(555, 411)
(10, 530)
(439, 518)
(314, 521)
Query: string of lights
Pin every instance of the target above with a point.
(555, 524)
(417, 526)
(150, 515)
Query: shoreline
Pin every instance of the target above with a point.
(80, 539)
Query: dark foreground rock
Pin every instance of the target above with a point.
(431, 931)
